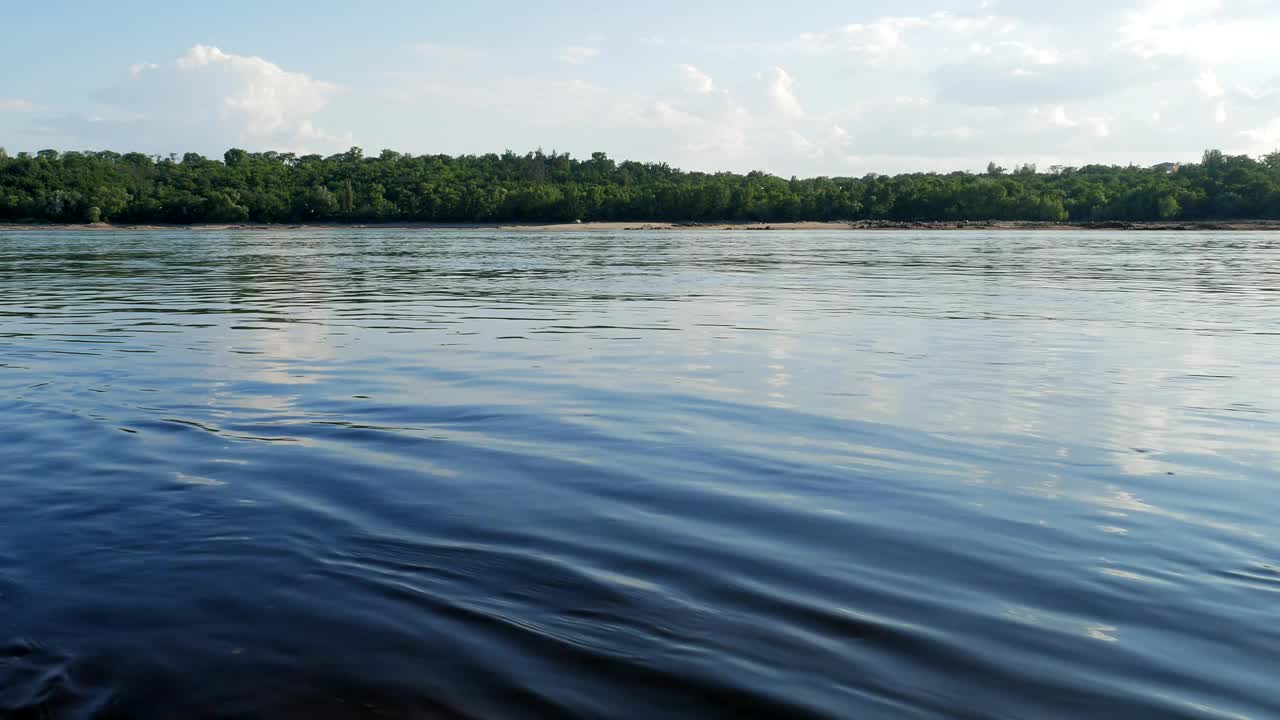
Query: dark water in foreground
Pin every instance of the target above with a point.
(403, 474)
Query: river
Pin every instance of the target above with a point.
(404, 473)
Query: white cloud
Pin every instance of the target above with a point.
(578, 54)
(697, 81)
(727, 137)
(655, 114)
(1058, 117)
(16, 106)
(1054, 116)
(311, 136)
(1198, 29)
(782, 93)
(1208, 85)
(838, 135)
(878, 40)
(1257, 94)
(208, 99)
(671, 117)
(802, 145)
(1028, 53)
(1265, 138)
(1018, 81)
(265, 96)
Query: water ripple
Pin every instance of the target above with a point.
(396, 473)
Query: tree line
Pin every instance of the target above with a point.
(271, 187)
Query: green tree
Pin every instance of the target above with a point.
(540, 186)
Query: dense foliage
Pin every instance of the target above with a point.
(281, 187)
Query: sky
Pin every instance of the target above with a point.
(820, 87)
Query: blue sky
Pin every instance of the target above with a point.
(797, 88)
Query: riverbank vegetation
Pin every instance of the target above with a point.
(269, 187)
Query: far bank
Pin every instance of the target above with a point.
(994, 225)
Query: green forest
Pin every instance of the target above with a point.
(269, 187)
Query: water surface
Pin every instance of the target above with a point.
(376, 473)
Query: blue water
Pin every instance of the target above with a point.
(397, 473)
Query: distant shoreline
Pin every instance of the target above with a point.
(998, 225)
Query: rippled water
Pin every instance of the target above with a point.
(380, 473)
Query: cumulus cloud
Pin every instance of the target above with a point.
(891, 37)
(310, 136)
(1057, 116)
(876, 39)
(655, 114)
(1018, 52)
(727, 135)
(1265, 138)
(760, 124)
(1199, 29)
(697, 81)
(1208, 85)
(1009, 80)
(803, 145)
(210, 96)
(263, 95)
(782, 93)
